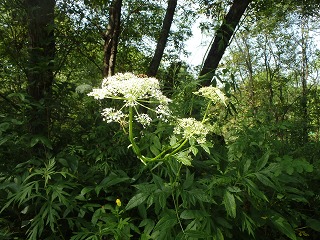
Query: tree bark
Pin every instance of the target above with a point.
(40, 17)
(304, 77)
(221, 40)
(111, 38)
(162, 41)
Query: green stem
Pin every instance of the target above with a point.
(206, 112)
(178, 148)
(175, 199)
(163, 152)
(135, 147)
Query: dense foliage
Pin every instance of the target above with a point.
(137, 157)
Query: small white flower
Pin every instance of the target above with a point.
(190, 127)
(212, 93)
(133, 90)
(144, 119)
(163, 112)
(112, 115)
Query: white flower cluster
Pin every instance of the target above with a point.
(144, 119)
(112, 115)
(134, 91)
(212, 93)
(190, 127)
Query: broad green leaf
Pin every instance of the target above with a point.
(254, 189)
(155, 151)
(156, 142)
(205, 147)
(284, 227)
(230, 204)
(188, 214)
(194, 234)
(45, 141)
(261, 163)
(218, 235)
(166, 222)
(246, 166)
(194, 150)
(314, 224)
(189, 180)
(173, 141)
(136, 200)
(265, 180)
(184, 158)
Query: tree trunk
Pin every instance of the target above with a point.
(304, 77)
(40, 17)
(221, 40)
(162, 41)
(111, 38)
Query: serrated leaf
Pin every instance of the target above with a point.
(254, 189)
(246, 166)
(173, 141)
(218, 235)
(261, 163)
(265, 180)
(283, 226)
(156, 142)
(155, 151)
(230, 204)
(184, 158)
(166, 222)
(189, 180)
(194, 150)
(205, 148)
(136, 200)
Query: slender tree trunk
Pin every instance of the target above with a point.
(111, 38)
(221, 40)
(162, 41)
(40, 17)
(304, 77)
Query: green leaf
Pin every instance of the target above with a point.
(156, 142)
(254, 189)
(205, 147)
(194, 234)
(314, 224)
(246, 166)
(194, 150)
(155, 151)
(218, 235)
(230, 204)
(189, 180)
(283, 226)
(173, 141)
(184, 158)
(136, 200)
(265, 180)
(188, 214)
(45, 141)
(223, 222)
(261, 163)
(166, 222)
(112, 179)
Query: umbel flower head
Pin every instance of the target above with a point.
(133, 91)
(191, 128)
(212, 93)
